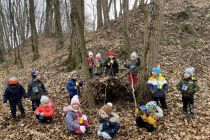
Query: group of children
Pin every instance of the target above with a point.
(76, 122)
(111, 67)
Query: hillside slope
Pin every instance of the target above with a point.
(179, 48)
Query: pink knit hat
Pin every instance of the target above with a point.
(75, 99)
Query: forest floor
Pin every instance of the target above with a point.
(179, 48)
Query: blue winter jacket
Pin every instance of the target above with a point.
(110, 125)
(72, 88)
(157, 86)
(14, 93)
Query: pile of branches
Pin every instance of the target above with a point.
(111, 89)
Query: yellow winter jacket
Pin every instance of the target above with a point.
(150, 119)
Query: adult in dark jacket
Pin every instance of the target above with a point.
(36, 89)
(111, 64)
(188, 87)
(108, 122)
(14, 93)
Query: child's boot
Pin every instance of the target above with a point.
(184, 109)
(192, 112)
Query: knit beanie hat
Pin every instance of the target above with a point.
(110, 53)
(34, 74)
(75, 99)
(156, 70)
(90, 54)
(12, 81)
(98, 56)
(72, 74)
(44, 99)
(151, 106)
(134, 55)
(190, 70)
(107, 108)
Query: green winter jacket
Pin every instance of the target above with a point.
(188, 86)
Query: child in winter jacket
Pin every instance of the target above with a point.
(90, 63)
(188, 87)
(76, 122)
(73, 84)
(108, 122)
(158, 86)
(133, 66)
(98, 65)
(14, 93)
(44, 113)
(147, 116)
(36, 89)
(111, 64)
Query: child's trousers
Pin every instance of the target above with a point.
(35, 104)
(187, 100)
(13, 105)
(140, 123)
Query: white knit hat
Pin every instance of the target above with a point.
(98, 55)
(44, 99)
(134, 55)
(90, 53)
(190, 70)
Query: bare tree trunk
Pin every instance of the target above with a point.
(15, 34)
(106, 12)
(34, 36)
(135, 4)
(94, 16)
(58, 26)
(88, 92)
(99, 14)
(49, 5)
(67, 16)
(126, 39)
(115, 9)
(121, 7)
(151, 45)
(74, 58)
(156, 25)
(110, 4)
(2, 46)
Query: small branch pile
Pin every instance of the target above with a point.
(111, 89)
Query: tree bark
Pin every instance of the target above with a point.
(135, 4)
(48, 20)
(74, 58)
(58, 26)
(99, 14)
(34, 36)
(2, 47)
(121, 7)
(106, 12)
(88, 92)
(152, 34)
(126, 39)
(115, 9)
(16, 45)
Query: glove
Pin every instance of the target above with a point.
(106, 135)
(100, 126)
(82, 129)
(84, 117)
(99, 133)
(42, 114)
(153, 93)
